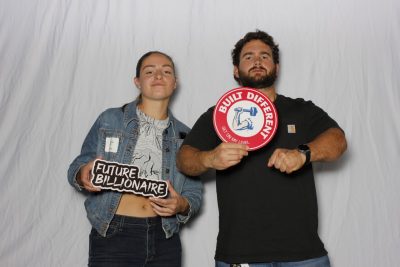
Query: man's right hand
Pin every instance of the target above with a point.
(225, 155)
(84, 176)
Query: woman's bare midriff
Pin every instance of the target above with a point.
(135, 206)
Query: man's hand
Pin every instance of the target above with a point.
(193, 161)
(172, 205)
(84, 175)
(225, 155)
(287, 160)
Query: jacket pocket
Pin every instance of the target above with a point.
(110, 144)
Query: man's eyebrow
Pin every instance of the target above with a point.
(247, 53)
(252, 53)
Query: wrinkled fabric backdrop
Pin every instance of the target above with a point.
(63, 62)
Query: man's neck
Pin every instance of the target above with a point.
(270, 92)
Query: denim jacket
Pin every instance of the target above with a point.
(122, 123)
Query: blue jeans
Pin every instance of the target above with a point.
(316, 262)
(134, 242)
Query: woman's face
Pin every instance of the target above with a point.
(157, 79)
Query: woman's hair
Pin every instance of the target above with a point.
(140, 63)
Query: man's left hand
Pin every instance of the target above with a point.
(287, 160)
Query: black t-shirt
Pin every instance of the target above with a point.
(266, 215)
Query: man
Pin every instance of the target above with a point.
(266, 198)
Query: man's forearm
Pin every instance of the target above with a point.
(328, 146)
(192, 161)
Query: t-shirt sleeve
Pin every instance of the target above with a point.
(318, 121)
(203, 136)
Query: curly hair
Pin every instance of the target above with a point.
(257, 35)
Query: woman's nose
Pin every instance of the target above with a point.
(158, 74)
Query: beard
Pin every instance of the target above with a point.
(259, 82)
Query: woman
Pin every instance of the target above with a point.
(129, 229)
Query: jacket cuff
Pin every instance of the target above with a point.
(75, 182)
(185, 218)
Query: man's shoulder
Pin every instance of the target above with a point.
(294, 102)
(207, 116)
(209, 111)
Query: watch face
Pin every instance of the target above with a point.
(303, 148)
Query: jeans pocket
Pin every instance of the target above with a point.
(112, 230)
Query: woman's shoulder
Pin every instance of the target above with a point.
(116, 114)
(180, 126)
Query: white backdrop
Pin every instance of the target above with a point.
(63, 62)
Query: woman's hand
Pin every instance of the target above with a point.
(84, 176)
(172, 205)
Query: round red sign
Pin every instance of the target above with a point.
(245, 116)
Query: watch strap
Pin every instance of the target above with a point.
(305, 149)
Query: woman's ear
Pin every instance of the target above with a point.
(176, 83)
(136, 82)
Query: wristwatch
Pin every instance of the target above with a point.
(305, 149)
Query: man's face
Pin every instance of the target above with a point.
(256, 66)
